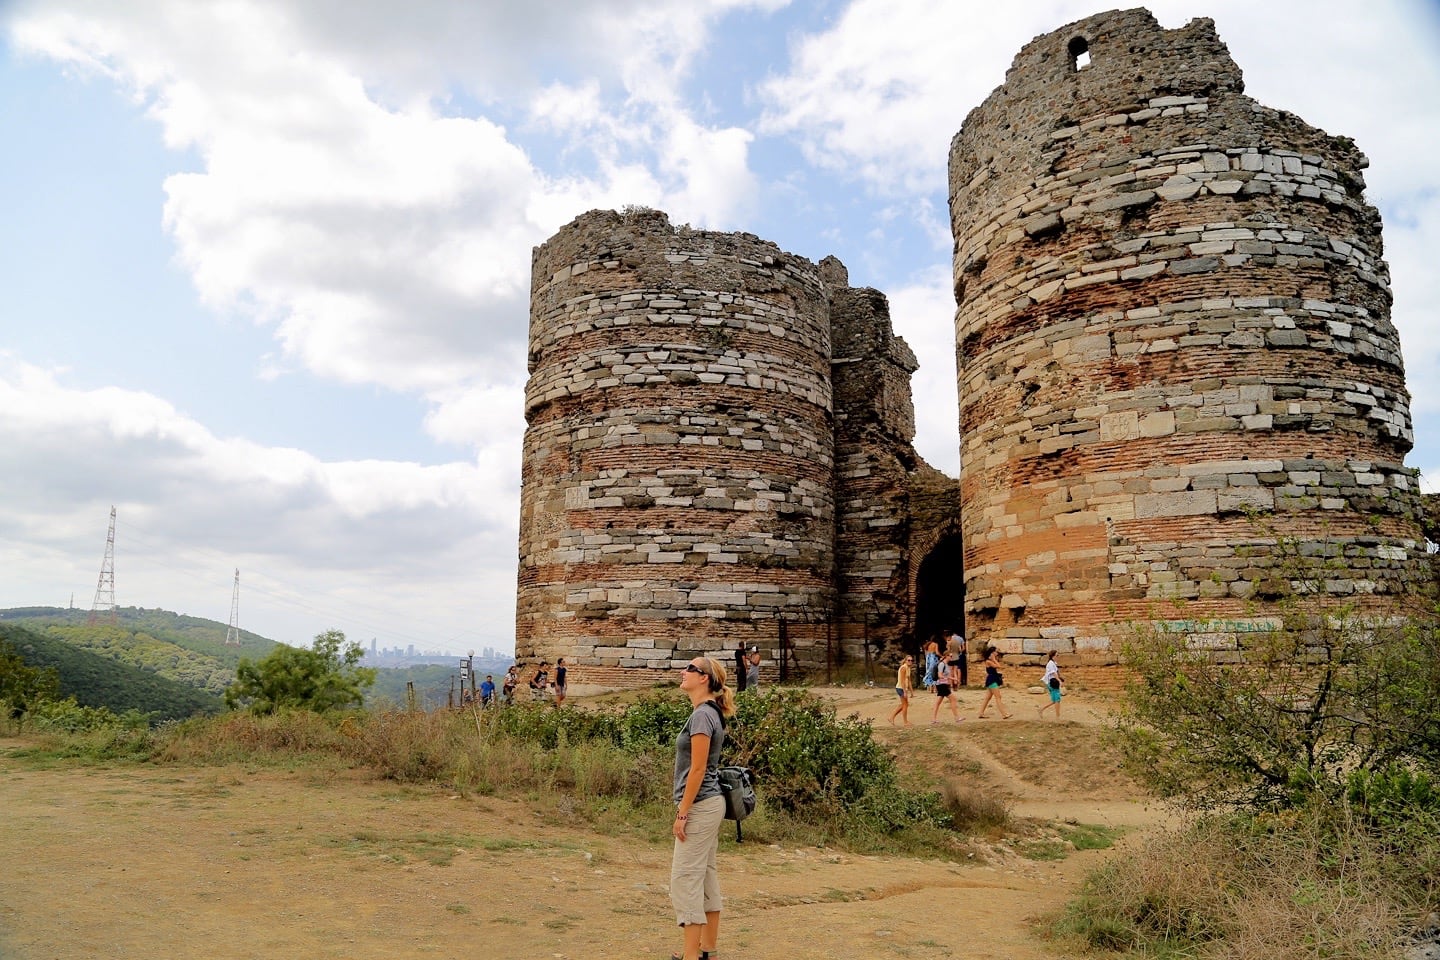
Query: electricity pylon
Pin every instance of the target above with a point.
(232, 633)
(105, 588)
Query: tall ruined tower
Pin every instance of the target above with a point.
(1174, 345)
(689, 395)
(679, 460)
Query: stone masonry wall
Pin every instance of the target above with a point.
(678, 469)
(1174, 346)
(874, 424)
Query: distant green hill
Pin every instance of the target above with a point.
(189, 650)
(192, 651)
(97, 681)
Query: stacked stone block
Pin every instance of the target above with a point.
(874, 426)
(1177, 369)
(678, 474)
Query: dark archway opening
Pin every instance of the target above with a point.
(940, 590)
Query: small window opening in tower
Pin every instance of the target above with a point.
(1079, 53)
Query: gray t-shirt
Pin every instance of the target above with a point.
(704, 719)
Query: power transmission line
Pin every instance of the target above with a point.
(282, 595)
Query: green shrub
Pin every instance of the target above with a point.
(542, 724)
(1392, 796)
(806, 761)
(67, 716)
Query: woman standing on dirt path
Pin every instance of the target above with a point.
(993, 681)
(700, 808)
(904, 687)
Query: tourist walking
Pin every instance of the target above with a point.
(540, 683)
(945, 692)
(994, 679)
(560, 680)
(932, 664)
(1054, 686)
(699, 807)
(955, 653)
(752, 670)
(904, 687)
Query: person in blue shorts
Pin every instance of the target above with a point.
(904, 687)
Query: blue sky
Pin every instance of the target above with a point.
(265, 263)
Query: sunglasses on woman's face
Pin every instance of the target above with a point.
(691, 668)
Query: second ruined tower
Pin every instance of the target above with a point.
(1174, 346)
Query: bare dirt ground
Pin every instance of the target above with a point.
(239, 862)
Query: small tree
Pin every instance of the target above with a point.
(1331, 694)
(21, 685)
(324, 677)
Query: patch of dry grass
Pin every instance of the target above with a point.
(1299, 887)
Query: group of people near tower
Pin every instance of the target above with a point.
(945, 672)
(541, 686)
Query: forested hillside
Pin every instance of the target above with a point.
(160, 645)
(96, 681)
(189, 650)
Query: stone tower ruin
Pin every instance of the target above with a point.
(705, 413)
(1174, 347)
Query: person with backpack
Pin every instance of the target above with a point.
(1053, 686)
(699, 807)
(932, 664)
(945, 682)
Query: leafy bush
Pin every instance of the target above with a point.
(1394, 796)
(22, 684)
(327, 676)
(805, 759)
(1323, 695)
(542, 724)
(67, 716)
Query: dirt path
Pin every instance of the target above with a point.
(235, 862)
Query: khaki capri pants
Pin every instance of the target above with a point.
(694, 881)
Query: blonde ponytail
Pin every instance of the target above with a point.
(724, 697)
